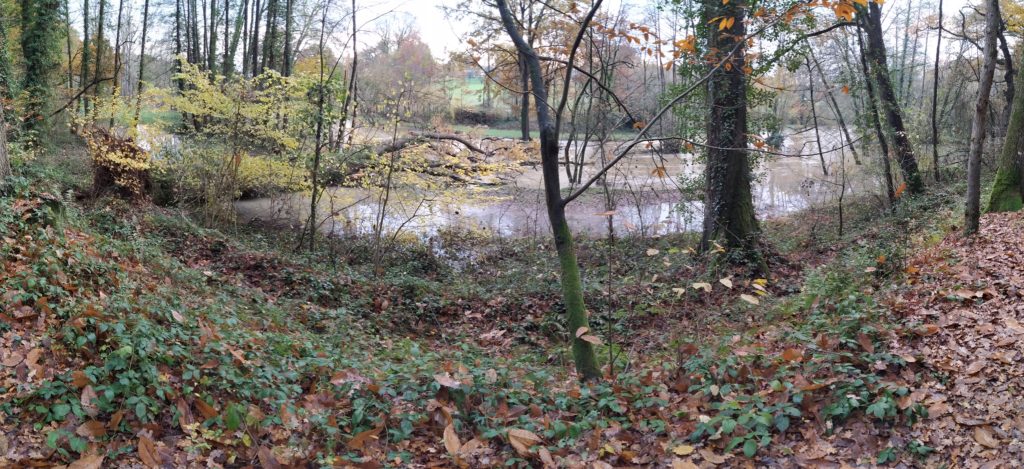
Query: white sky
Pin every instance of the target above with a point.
(443, 35)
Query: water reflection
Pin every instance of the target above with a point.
(647, 200)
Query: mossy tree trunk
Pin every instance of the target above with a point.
(1008, 190)
(871, 21)
(972, 211)
(572, 286)
(729, 207)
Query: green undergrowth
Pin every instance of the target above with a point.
(239, 343)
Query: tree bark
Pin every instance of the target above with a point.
(876, 122)
(935, 101)
(86, 54)
(1008, 93)
(572, 285)
(904, 151)
(835, 107)
(728, 206)
(814, 117)
(972, 212)
(5, 161)
(142, 66)
(98, 70)
(524, 101)
(1008, 189)
(230, 51)
(286, 59)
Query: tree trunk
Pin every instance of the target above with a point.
(572, 285)
(1008, 189)
(935, 101)
(524, 101)
(814, 117)
(286, 59)
(5, 161)
(230, 51)
(903, 150)
(973, 210)
(270, 41)
(728, 205)
(254, 41)
(117, 56)
(142, 65)
(98, 70)
(835, 107)
(876, 122)
(86, 55)
(1008, 93)
(211, 52)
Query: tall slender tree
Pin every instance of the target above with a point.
(871, 21)
(40, 46)
(86, 55)
(97, 75)
(972, 212)
(142, 65)
(935, 100)
(572, 287)
(728, 201)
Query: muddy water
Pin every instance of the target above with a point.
(644, 200)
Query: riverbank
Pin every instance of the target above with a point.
(133, 335)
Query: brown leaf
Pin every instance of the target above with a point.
(147, 452)
(13, 360)
(184, 413)
(545, 457)
(451, 440)
(976, 366)
(865, 343)
(207, 410)
(683, 464)
(447, 381)
(359, 441)
(115, 420)
(267, 459)
(792, 355)
(522, 440)
(983, 435)
(92, 428)
(88, 396)
(710, 456)
(79, 379)
(88, 461)
(582, 331)
(592, 339)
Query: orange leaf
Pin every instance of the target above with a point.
(207, 410)
(451, 440)
(901, 189)
(148, 454)
(792, 355)
(91, 429)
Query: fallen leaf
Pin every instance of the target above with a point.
(711, 457)
(702, 286)
(592, 339)
(726, 281)
(522, 440)
(750, 299)
(652, 252)
(92, 428)
(865, 343)
(358, 441)
(681, 464)
(983, 435)
(88, 396)
(446, 380)
(148, 454)
(451, 440)
(88, 461)
(683, 450)
(975, 367)
(267, 459)
(545, 457)
(792, 355)
(207, 410)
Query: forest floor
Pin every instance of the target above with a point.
(130, 336)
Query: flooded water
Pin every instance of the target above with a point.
(645, 200)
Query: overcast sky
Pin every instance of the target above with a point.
(443, 35)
